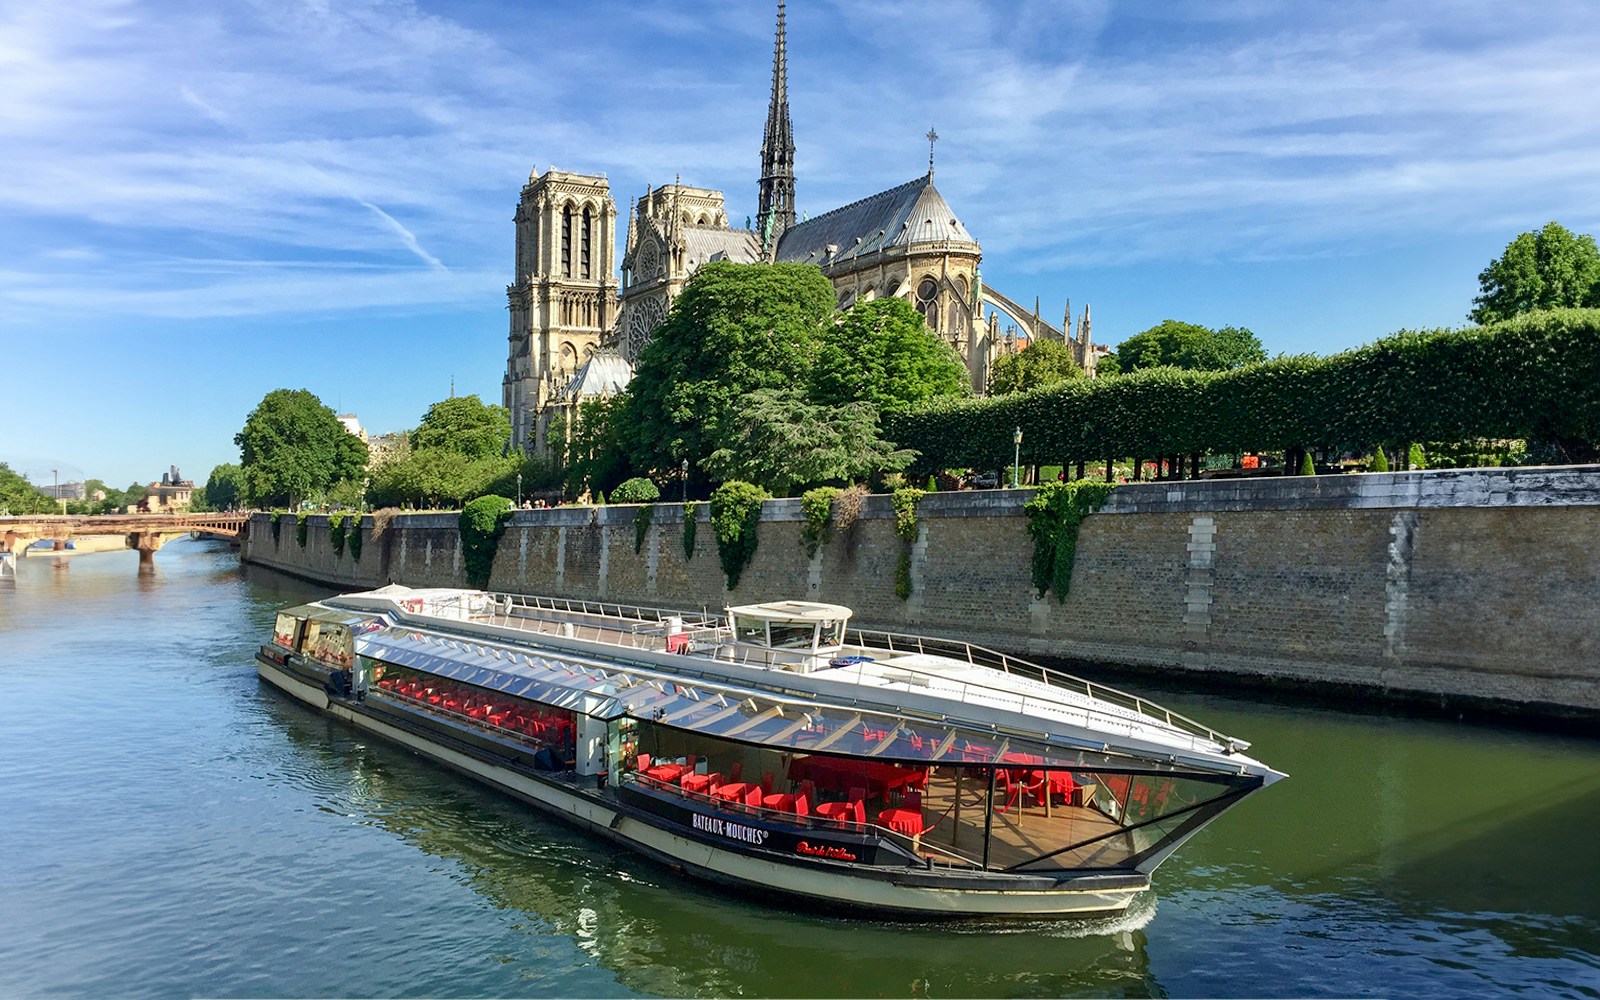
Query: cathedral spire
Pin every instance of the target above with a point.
(776, 211)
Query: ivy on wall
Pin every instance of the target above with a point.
(336, 530)
(817, 506)
(301, 527)
(691, 521)
(353, 535)
(277, 520)
(1054, 515)
(641, 524)
(482, 522)
(735, 516)
(905, 525)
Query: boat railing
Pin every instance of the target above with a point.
(980, 656)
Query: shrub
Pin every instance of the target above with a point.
(1054, 514)
(691, 522)
(641, 523)
(482, 521)
(353, 535)
(735, 516)
(847, 506)
(336, 533)
(1415, 458)
(636, 490)
(1308, 467)
(817, 505)
(1380, 461)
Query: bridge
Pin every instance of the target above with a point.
(143, 532)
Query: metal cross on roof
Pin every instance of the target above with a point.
(932, 138)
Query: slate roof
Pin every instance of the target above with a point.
(606, 373)
(702, 244)
(915, 212)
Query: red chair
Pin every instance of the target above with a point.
(753, 797)
(643, 763)
(802, 805)
(766, 782)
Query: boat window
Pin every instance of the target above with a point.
(308, 641)
(793, 635)
(286, 631)
(541, 728)
(833, 633)
(751, 630)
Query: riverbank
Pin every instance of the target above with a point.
(1457, 590)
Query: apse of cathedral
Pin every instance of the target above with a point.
(576, 332)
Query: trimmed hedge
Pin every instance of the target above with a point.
(1536, 376)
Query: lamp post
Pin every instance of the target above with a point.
(686, 481)
(519, 491)
(57, 474)
(1016, 456)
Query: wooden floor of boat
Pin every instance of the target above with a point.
(1023, 831)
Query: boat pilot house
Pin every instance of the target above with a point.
(778, 747)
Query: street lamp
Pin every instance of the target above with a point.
(519, 491)
(686, 481)
(1016, 457)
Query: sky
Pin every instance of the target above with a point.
(201, 202)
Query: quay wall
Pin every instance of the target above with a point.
(1471, 588)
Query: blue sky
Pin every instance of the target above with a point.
(201, 202)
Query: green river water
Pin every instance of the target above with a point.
(173, 827)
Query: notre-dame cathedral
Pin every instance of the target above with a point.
(576, 332)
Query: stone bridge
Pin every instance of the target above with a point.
(144, 532)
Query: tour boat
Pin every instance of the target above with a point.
(778, 749)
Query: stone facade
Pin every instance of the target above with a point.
(1460, 588)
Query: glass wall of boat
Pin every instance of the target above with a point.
(1022, 816)
(673, 631)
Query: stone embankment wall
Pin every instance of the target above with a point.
(1475, 587)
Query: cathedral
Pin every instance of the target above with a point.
(576, 331)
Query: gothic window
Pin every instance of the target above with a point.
(961, 288)
(642, 322)
(566, 242)
(928, 301)
(584, 248)
(645, 263)
(955, 327)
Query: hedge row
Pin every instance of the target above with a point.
(1536, 376)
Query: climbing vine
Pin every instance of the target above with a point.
(353, 536)
(336, 533)
(817, 505)
(691, 521)
(641, 524)
(277, 520)
(1054, 514)
(482, 522)
(301, 526)
(905, 525)
(735, 515)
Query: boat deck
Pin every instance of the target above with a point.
(1021, 832)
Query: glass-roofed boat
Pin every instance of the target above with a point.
(778, 749)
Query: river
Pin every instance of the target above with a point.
(171, 826)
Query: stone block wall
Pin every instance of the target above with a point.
(1474, 586)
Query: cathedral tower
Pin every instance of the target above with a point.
(564, 293)
(776, 210)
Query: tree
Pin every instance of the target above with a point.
(779, 440)
(435, 477)
(464, 424)
(735, 328)
(1188, 345)
(882, 352)
(1041, 363)
(18, 496)
(224, 486)
(292, 446)
(1550, 269)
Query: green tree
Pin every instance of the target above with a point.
(18, 496)
(882, 352)
(1187, 345)
(464, 424)
(596, 449)
(1041, 363)
(224, 486)
(292, 447)
(780, 441)
(735, 328)
(1550, 269)
(433, 478)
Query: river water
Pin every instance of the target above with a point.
(171, 826)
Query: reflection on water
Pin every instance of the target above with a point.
(178, 828)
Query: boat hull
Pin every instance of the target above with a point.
(815, 882)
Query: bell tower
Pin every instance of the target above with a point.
(563, 296)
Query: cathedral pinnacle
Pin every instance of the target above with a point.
(776, 203)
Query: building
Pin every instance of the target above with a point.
(172, 494)
(905, 242)
(353, 425)
(64, 491)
